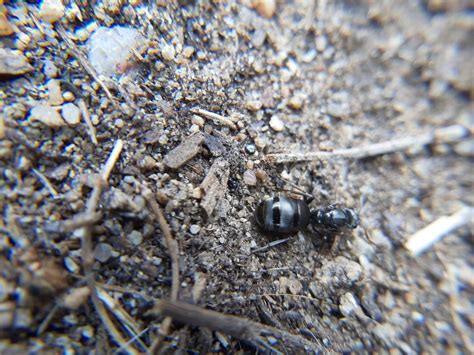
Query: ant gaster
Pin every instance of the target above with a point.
(286, 215)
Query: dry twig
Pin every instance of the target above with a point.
(87, 118)
(44, 180)
(215, 117)
(441, 135)
(426, 237)
(172, 246)
(235, 326)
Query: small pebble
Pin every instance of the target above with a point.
(276, 124)
(261, 175)
(266, 8)
(197, 193)
(250, 178)
(194, 229)
(253, 105)
(135, 237)
(47, 115)
(71, 114)
(49, 69)
(103, 252)
(51, 10)
(71, 265)
(6, 28)
(296, 102)
(168, 52)
(54, 92)
(250, 164)
(250, 148)
(13, 63)
(188, 51)
(68, 96)
(295, 287)
(197, 120)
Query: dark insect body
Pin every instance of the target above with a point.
(285, 215)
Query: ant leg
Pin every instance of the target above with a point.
(270, 245)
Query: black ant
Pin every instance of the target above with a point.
(285, 215)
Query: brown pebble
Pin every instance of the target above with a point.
(54, 92)
(266, 8)
(6, 29)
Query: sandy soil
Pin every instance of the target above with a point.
(83, 261)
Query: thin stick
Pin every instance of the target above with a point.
(235, 326)
(426, 237)
(84, 62)
(87, 118)
(441, 135)
(173, 251)
(46, 182)
(215, 117)
(86, 247)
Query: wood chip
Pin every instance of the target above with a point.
(214, 185)
(184, 152)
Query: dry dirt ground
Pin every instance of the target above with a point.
(83, 270)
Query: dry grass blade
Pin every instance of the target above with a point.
(441, 135)
(87, 118)
(215, 117)
(426, 237)
(173, 251)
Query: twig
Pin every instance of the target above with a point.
(235, 326)
(78, 221)
(426, 237)
(173, 251)
(215, 117)
(122, 315)
(270, 245)
(44, 180)
(87, 118)
(86, 247)
(441, 135)
(84, 62)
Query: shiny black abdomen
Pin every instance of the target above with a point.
(282, 215)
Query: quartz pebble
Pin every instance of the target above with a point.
(276, 124)
(110, 49)
(51, 10)
(168, 52)
(71, 113)
(250, 178)
(194, 229)
(47, 115)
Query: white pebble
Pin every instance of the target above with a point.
(194, 229)
(51, 10)
(71, 113)
(276, 124)
(168, 52)
(250, 178)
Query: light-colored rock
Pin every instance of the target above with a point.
(194, 229)
(276, 124)
(168, 52)
(250, 178)
(47, 115)
(54, 92)
(295, 287)
(71, 114)
(110, 49)
(13, 63)
(51, 10)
